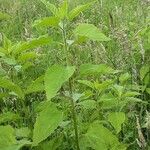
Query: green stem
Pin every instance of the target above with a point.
(73, 111)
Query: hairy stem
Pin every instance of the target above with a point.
(66, 51)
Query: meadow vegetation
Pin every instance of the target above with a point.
(74, 75)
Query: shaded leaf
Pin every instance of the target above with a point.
(7, 84)
(98, 137)
(34, 43)
(36, 86)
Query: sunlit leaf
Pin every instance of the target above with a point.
(47, 121)
(90, 31)
(55, 77)
(116, 119)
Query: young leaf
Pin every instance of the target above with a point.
(6, 44)
(7, 84)
(26, 57)
(34, 43)
(124, 77)
(87, 83)
(116, 119)
(76, 11)
(51, 7)
(90, 31)
(143, 71)
(55, 77)
(47, 121)
(47, 22)
(63, 10)
(91, 69)
(36, 86)
(98, 137)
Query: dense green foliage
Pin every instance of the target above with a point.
(74, 75)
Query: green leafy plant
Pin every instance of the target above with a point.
(69, 104)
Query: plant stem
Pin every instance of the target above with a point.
(74, 116)
(66, 50)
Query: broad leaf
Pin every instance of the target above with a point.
(8, 116)
(124, 77)
(47, 121)
(88, 104)
(47, 22)
(26, 57)
(36, 86)
(7, 84)
(34, 43)
(90, 31)
(7, 137)
(55, 77)
(87, 83)
(98, 137)
(116, 119)
(91, 69)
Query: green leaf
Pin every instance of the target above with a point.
(9, 61)
(51, 7)
(143, 71)
(88, 104)
(23, 132)
(124, 77)
(90, 31)
(36, 86)
(8, 116)
(2, 72)
(98, 137)
(87, 83)
(131, 94)
(26, 57)
(148, 90)
(6, 44)
(76, 11)
(63, 10)
(47, 121)
(116, 119)
(55, 77)
(119, 90)
(134, 100)
(4, 16)
(7, 137)
(34, 43)
(108, 101)
(53, 144)
(47, 22)
(7, 84)
(91, 69)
